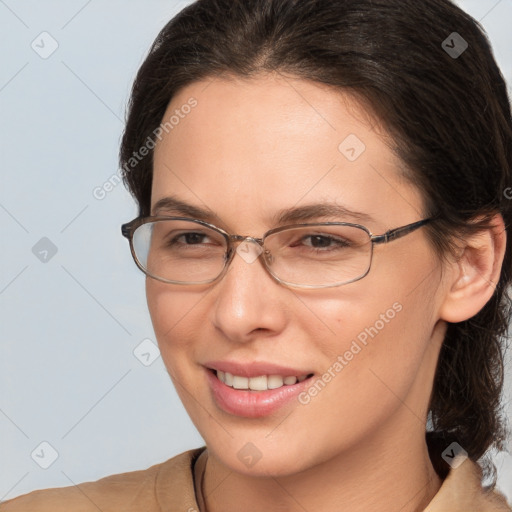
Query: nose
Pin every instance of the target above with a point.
(248, 300)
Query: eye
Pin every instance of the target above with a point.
(321, 241)
(191, 238)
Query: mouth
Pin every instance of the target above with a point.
(255, 397)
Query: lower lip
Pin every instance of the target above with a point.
(253, 404)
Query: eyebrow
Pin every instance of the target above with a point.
(174, 206)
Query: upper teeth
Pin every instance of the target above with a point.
(261, 383)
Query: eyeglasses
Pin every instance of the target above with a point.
(180, 250)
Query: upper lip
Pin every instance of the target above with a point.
(255, 368)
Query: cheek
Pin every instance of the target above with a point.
(172, 312)
(358, 332)
(377, 328)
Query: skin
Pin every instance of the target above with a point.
(248, 149)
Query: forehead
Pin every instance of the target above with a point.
(248, 147)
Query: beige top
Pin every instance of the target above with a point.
(169, 487)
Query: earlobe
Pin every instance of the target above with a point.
(475, 273)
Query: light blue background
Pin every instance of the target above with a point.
(68, 374)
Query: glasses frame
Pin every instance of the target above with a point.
(129, 228)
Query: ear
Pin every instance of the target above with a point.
(475, 273)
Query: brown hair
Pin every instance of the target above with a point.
(449, 118)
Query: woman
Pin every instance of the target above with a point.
(323, 224)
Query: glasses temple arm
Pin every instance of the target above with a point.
(393, 234)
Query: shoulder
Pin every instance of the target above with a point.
(135, 490)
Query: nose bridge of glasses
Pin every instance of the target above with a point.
(242, 238)
(249, 248)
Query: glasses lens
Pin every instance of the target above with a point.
(179, 251)
(320, 255)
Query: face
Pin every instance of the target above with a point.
(247, 150)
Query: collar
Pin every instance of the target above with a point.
(461, 491)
